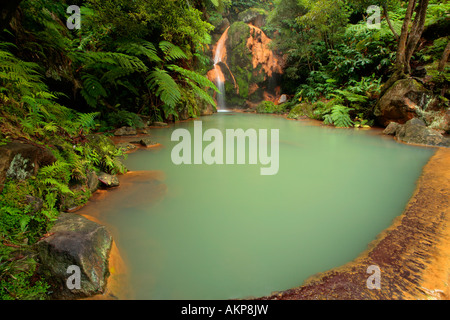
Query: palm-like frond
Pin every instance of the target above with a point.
(171, 51)
(165, 87)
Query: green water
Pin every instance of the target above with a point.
(225, 231)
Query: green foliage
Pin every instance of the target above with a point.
(270, 107)
(17, 278)
(339, 117)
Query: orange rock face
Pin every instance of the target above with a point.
(258, 44)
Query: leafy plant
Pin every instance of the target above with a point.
(339, 117)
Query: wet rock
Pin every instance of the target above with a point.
(20, 161)
(108, 180)
(415, 131)
(392, 128)
(222, 26)
(125, 146)
(282, 99)
(159, 124)
(75, 241)
(402, 102)
(125, 131)
(147, 142)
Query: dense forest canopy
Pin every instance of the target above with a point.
(131, 63)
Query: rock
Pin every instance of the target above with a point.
(402, 102)
(147, 142)
(392, 128)
(255, 16)
(125, 131)
(21, 160)
(108, 180)
(159, 124)
(92, 181)
(282, 99)
(125, 146)
(415, 131)
(75, 241)
(222, 26)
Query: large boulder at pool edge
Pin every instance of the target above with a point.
(75, 241)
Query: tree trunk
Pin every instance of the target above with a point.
(444, 59)
(407, 42)
(8, 8)
(388, 20)
(416, 33)
(400, 57)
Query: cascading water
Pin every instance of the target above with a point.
(219, 56)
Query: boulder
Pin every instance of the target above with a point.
(415, 131)
(125, 146)
(125, 131)
(401, 102)
(20, 161)
(92, 181)
(282, 99)
(255, 16)
(392, 128)
(159, 124)
(222, 26)
(147, 142)
(108, 180)
(75, 241)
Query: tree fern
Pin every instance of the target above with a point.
(165, 87)
(92, 89)
(141, 48)
(171, 51)
(194, 76)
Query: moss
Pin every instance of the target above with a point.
(302, 110)
(251, 13)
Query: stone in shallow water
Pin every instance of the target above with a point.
(125, 146)
(75, 241)
(415, 131)
(108, 180)
(392, 128)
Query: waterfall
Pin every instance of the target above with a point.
(219, 56)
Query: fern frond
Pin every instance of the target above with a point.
(166, 87)
(194, 76)
(141, 48)
(171, 51)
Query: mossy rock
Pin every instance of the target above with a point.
(255, 16)
(75, 241)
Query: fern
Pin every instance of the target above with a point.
(92, 89)
(171, 51)
(339, 117)
(87, 120)
(141, 48)
(165, 87)
(194, 76)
